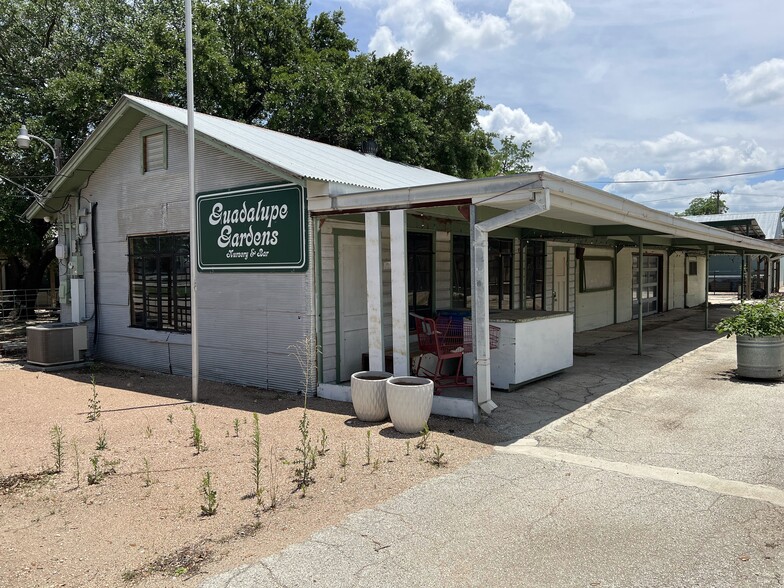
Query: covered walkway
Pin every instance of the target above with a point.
(605, 359)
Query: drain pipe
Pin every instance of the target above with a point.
(480, 307)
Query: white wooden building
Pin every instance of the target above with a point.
(345, 246)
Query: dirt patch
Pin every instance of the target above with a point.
(141, 522)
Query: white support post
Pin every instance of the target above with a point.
(707, 287)
(641, 257)
(374, 291)
(397, 235)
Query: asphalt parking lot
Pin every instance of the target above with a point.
(660, 470)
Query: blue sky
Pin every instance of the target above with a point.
(611, 91)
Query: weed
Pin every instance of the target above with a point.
(77, 463)
(210, 495)
(147, 431)
(94, 404)
(170, 418)
(256, 444)
(57, 439)
(343, 460)
(322, 445)
(181, 571)
(376, 464)
(367, 449)
(272, 483)
(97, 474)
(236, 427)
(424, 439)
(305, 351)
(437, 459)
(101, 444)
(408, 446)
(147, 475)
(307, 455)
(196, 437)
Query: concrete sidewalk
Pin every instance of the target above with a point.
(624, 471)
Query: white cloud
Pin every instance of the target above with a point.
(437, 30)
(722, 159)
(708, 168)
(514, 121)
(762, 83)
(383, 42)
(588, 168)
(673, 143)
(542, 17)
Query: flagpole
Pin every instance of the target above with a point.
(192, 203)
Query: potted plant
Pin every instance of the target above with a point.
(410, 400)
(759, 329)
(369, 395)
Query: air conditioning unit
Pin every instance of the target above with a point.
(56, 343)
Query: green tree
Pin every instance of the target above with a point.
(64, 64)
(511, 158)
(712, 204)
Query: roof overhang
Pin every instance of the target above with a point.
(577, 212)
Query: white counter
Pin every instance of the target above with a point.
(532, 344)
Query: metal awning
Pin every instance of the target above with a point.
(577, 213)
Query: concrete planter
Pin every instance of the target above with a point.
(760, 358)
(410, 400)
(369, 395)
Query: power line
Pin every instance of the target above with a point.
(751, 173)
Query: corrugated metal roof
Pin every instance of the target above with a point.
(300, 157)
(768, 222)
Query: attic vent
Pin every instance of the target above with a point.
(154, 150)
(369, 147)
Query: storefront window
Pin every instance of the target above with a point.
(160, 282)
(500, 283)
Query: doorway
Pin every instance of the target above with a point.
(352, 304)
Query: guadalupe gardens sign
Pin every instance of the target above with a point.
(262, 228)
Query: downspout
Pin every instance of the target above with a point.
(480, 307)
(472, 238)
(317, 299)
(95, 275)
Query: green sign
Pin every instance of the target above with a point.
(252, 229)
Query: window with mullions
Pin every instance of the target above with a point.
(534, 275)
(420, 273)
(160, 282)
(500, 260)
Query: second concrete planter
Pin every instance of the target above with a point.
(410, 400)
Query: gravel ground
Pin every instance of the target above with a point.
(141, 524)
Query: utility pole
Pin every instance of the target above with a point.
(718, 194)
